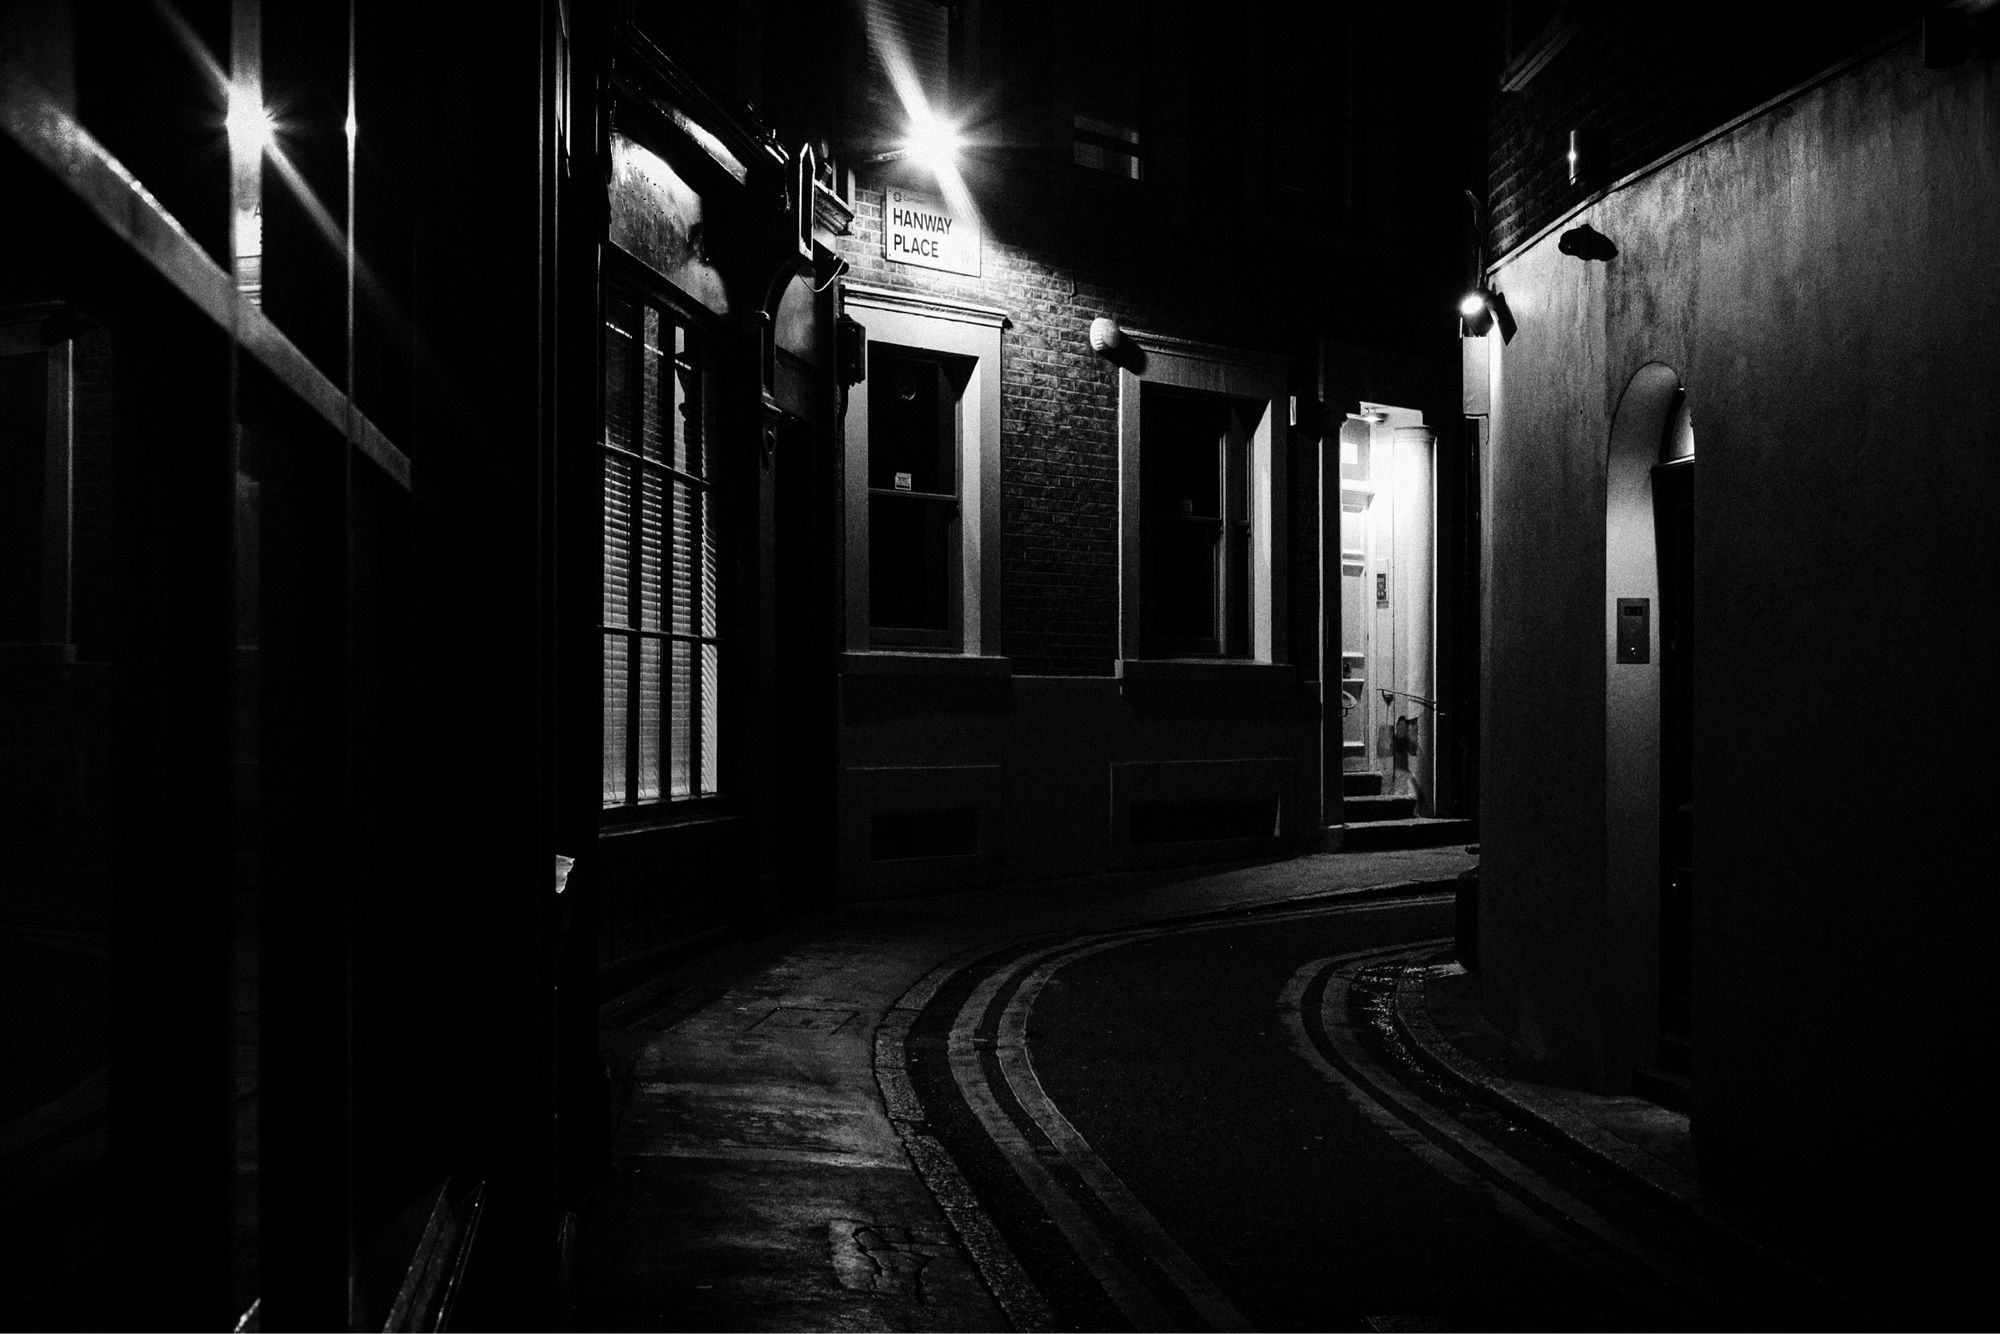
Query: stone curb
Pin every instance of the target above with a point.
(1546, 1112)
(1572, 1129)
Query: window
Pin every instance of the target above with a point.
(662, 646)
(1201, 441)
(1114, 42)
(1110, 147)
(1195, 525)
(914, 439)
(923, 477)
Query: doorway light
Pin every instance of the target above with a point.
(1482, 308)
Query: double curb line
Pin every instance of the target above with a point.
(1016, 1294)
(1580, 1135)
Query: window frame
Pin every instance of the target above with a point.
(1223, 451)
(950, 500)
(705, 725)
(969, 334)
(1256, 383)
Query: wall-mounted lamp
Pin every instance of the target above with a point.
(1481, 309)
(1575, 157)
(251, 129)
(932, 143)
(1105, 336)
(850, 350)
(1586, 243)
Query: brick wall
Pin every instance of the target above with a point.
(1640, 81)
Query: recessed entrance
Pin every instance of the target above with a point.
(1649, 787)
(1384, 672)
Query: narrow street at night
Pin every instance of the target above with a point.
(997, 664)
(1242, 1138)
(1209, 1101)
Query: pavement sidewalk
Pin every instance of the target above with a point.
(758, 1182)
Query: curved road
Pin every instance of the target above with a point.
(1211, 1126)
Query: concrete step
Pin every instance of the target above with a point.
(1356, 808)
(1417, 831)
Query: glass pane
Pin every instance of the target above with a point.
(909, 564)
(649, 720)
(690, 405)
(685, 507)
(681, 745)
(652, 551)
(1236, 463)
(620, 335)
(1181, 467)
(912, 424)
(1239, 590)
(1179, 578)
(711, 678)
(617, 541)
(711, 560)
(654, 434)
(1355, 440)
(616, 683)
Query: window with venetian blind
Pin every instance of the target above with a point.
(662, 647)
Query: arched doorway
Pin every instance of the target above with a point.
(1673, 538)
(1649, 585)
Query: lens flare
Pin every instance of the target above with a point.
(933, 143)
(248, 122)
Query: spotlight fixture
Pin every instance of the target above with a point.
(249, 124)
(932, 143)
(1482, 308)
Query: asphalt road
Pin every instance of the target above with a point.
(1211, 1128)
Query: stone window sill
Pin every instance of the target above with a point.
(879, 663)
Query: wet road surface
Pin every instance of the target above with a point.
(1212, 1126)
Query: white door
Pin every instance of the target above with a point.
(1357, 599)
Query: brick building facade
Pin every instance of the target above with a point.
(1197, 217)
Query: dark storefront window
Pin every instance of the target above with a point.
(662, 650)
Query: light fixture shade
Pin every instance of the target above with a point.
(1481, 309)
(1475, 313)
(1105, 336)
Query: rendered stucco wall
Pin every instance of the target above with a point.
(1825, 280)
